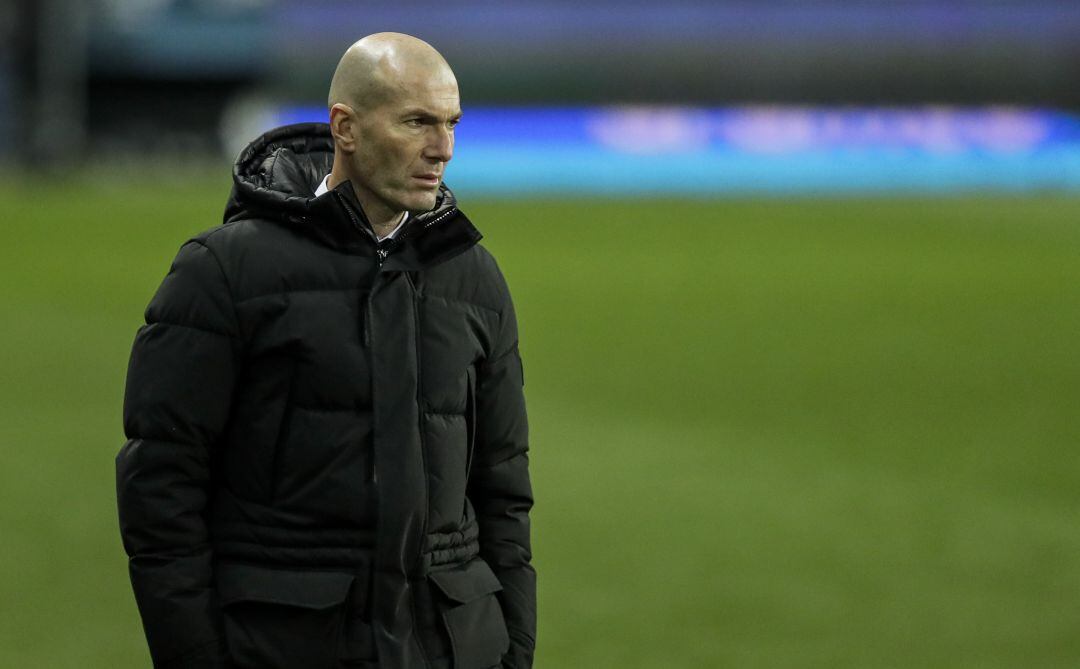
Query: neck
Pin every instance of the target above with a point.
(382, 218)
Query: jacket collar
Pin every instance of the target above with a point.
(275, 178)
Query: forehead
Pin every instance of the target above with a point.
(433, 89)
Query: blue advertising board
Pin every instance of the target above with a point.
(643, 150)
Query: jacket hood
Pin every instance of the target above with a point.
(276, 176)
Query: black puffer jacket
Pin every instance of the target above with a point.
(326, 457)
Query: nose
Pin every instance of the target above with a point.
(440, 145)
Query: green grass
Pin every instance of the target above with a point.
(800, 433)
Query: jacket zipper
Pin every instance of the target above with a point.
(365, 333)
(394, 243)
(412, 232)
(419, 389)
(381, 253)
(354, 218)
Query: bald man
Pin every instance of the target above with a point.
(326, 460)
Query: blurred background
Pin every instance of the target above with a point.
(797, 283)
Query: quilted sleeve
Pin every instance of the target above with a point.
(180, 381)
(500, 489)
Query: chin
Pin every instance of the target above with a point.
(422, 203)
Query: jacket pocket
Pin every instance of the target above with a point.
(275, 618)
(473, 615)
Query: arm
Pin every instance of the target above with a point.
(500, 490)
(179, 384)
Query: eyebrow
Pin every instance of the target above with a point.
(424, 113)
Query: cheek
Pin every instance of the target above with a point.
(375, 168)
(364, 163)
(387, 162)
(390, 158)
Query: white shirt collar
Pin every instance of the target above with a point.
(324, 187)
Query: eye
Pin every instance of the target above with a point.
(453, 123)
(414, 122)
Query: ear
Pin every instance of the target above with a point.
(343, 127)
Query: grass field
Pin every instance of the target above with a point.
(836, 433)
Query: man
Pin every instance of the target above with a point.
(326, 460)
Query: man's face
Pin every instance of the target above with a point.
(404, 142)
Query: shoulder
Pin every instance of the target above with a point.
(477, 278)
(259, 256)
(481, 262)
(242, 236)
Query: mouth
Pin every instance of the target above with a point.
(428, 178)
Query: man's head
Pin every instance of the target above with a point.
(393, 107)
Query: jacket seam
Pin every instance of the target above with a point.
(314, 409)
(494, 361)
(455, 300)
(515, 454)
(426, 488)
(195, 551)
(269, 566)
(513, 347)
(348, 289)
(228, 285)
(197, 328)
(135, 434)
(299, 290)
(368, 547)
(280, 527)
(502, 330)
(270, 170)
